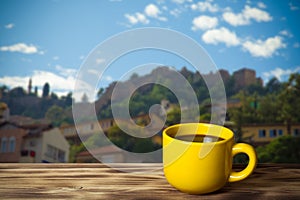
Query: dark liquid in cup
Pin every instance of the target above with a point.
(199, 138)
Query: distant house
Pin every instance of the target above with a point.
(11, 137)
(259, 134)
(45, 146)
(85, 130)
(113, 154)
(106, 154)
(25, 140)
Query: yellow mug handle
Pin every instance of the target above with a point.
(249, 150)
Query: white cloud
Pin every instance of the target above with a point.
(246, 16)
(221, 35)
(60, 83)
(296, 45)
(175, 12)
(293, 7)
(9, 26)
(66, 72)
(205, 6)
(204, 22)
(39, 78)
(150, 11)
(55, 58)
(153, 11)
(286, 33)
(108, 78)
(137, 18)
(265, 48)
(179, 1)
(21, 48)
(100, 61)
(261, 5)
(280, 74)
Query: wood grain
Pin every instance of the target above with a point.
(97, 181)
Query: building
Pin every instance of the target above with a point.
(23, 139)
(113, 154)
(245, 77)
(260, 134)
(85, 130)
(47, 146)
(106, 154)
(4, 112)
(11, 137)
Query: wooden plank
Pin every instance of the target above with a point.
(97, 181)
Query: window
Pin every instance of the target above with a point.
(262, 133)
(280, 132)
(3, 145)
(296, 132)
(51, 152)
(61, 156)
(12, 144)
(55, 154)
(273, 133)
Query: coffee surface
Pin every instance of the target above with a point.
(199, 138)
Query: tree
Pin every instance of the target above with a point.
(246, 113)
(174, 116)
(74, 150)
(289, 100)
(134, 76)
(17, 92)
(269, 109)
(36, 91)
(100, 93)
(46, 90)
(130, 143)
(273, 86)
(95, 141)
(68, 100)
(285, 149)
(56, 115)
(3, 90)
(53, 96)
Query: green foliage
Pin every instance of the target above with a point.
(96, 140)
(285, 149)
(174, 116)
(74, 150)
(289, 100)
(130, 143)
(46, 90)
(56, 115)
(100, 92)
(269, 109)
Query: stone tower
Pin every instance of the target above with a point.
(29, 86)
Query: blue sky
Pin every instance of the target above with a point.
(49, 40)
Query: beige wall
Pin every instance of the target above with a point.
(252, 132)
(32, 144)
(55, 139)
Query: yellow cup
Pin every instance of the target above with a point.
(202, 167)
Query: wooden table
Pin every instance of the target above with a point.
(97, 181)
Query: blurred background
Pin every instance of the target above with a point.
(254, 44)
